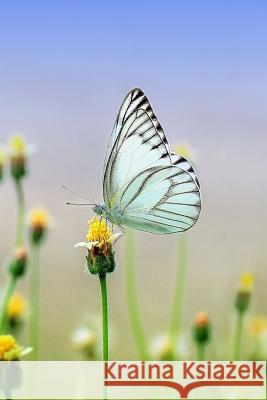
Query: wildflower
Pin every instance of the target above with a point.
(2, 162)
(84, 340)
(244, 292)
(201, 329)
(258, 325)
(18, 262)
(10, 350)
(185, 150)
(100, 258)
(15, 309)
(38, 224)
(18, 151)
(201, 334)
(161, 348)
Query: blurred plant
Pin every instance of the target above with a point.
(18, 153)
(16, 269)
(132, 301)
(201, 334)
(86, 339)
(10, 350)
(16, 311)
(258, 333)
(242, 303)
(101, 261)
(2, 162)
(184, 150)
(39, 221)
(161, 348)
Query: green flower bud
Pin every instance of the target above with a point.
(18, 264)
(99, 262)
(201, 328)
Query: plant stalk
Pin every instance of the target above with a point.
(238, 336)
(20, 214)
(104, 299)
(34, 300)
(3, 311)
(132, 302)
(178, 297)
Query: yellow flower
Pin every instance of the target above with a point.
(99, 235)
(100, 258)
(17, 145)
(246, 283)
(98, 231)
(184, 150)
(39, 221)
(2, 157)
(258, 325)
(16, 306)
(39, 218)
(10, 350)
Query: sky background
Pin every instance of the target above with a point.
(65, 67)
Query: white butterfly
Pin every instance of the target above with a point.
(145, 186)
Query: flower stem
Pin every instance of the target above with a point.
(9, 291)
(20, 214)
(177, 306)
(34, 300)
(136, 323)
(200, 351)
(104, 298)
(238, 336)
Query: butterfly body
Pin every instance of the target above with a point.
(113, 215)
(145, 185)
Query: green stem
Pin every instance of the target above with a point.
(200, 351)
(238, 336)
(3, 311)
(104, 298)
(177, 306)
(34, 300)
(136, 323)
(20, 214)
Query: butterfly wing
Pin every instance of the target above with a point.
(184, 164)
(161, 200)
(139, 165)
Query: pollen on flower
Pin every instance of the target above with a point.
(17, 144)
(98, 231)
(16, 306)
(8, 348)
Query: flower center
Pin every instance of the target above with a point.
(98, 231)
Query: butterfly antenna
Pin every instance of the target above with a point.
(79, 195)
(79, 204)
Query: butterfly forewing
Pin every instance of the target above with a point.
(154, 190)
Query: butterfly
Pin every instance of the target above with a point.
(146, 186)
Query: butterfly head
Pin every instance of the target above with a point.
(100, 209)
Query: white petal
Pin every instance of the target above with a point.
(87, 245)
(81, 244)
(115, 237)
(26, 351)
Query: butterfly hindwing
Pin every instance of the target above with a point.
(161, 200)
